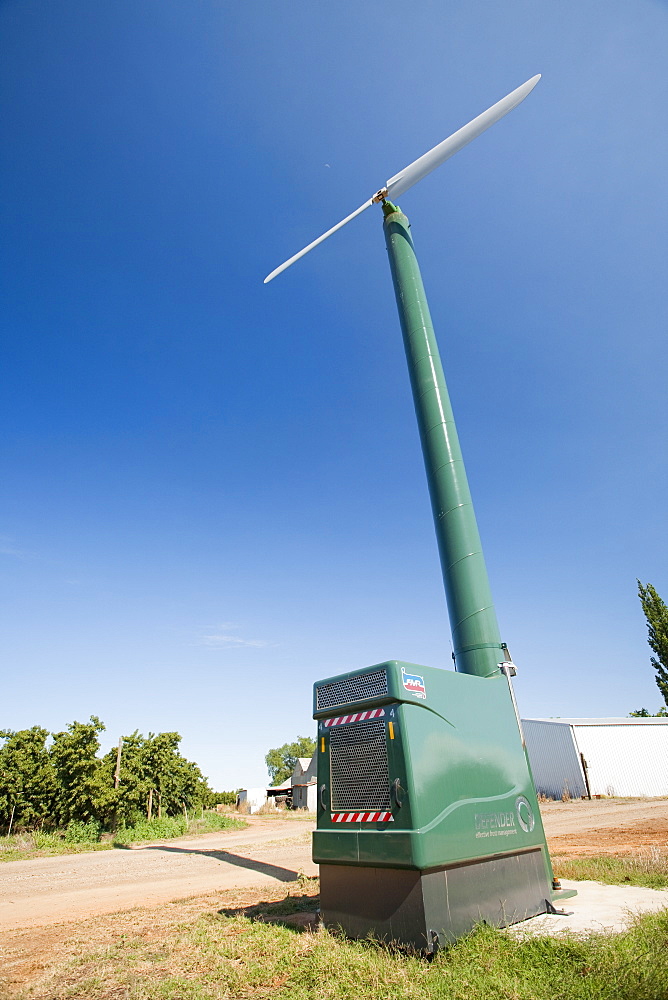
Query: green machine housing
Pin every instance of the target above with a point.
(427, 815)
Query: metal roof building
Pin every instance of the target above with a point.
(620, 757)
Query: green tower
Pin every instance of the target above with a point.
(427, 815)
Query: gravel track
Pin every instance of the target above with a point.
(70, 887)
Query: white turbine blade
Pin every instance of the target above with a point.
(414, 172)
(358, 211)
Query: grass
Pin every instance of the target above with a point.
(649, 868)
(211, 822)
(79, 838)
(267, 812)
(175, 826)
(298, 814)
(23, 846)
(254, 954)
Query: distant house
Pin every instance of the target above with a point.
(304, 782)
(296, 792)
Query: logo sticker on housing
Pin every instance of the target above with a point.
(525, 814)
(413, 683)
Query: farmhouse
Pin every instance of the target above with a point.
(305, 784)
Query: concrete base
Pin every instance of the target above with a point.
(596, 908)
(426, 909)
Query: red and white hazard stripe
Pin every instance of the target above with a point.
(365, 817)
(372, 713)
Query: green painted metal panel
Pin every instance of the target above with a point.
(453, 746)
(475, 632)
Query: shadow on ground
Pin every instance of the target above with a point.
(300, 913)
(282, 874)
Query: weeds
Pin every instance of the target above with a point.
(79, 838)
(175, 826)
(211, 822)
(83, 833)
(151, 829)
(23, 846)
(285, 814)
(245, 954)
(649, 869)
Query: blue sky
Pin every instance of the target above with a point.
(213, 492)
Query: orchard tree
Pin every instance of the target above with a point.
(281, 761)
(212, 799)
(154, 779)
(68, 782)
(656, 614)
(127, 803)
(158, 756)
(185, 787)
(173, 783)
(27, 778)
(80, 793)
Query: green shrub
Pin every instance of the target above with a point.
(155, 829)
(211, 822)
(82, 833)
(43, 841)
(175, 826)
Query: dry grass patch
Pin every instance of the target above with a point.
(243, 946)
(34, 961)
(267, 812)
(647, 868)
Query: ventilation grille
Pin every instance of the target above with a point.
(358, 688)
(359, 769)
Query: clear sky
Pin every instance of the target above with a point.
(212, 490)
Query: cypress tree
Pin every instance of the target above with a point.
(656, 614)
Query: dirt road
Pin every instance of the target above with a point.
(605, 826)
(72, 886)
(271, 851)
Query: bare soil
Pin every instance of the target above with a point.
(605, 826)
(48, 904)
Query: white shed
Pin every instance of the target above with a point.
(304, 784)
(622, 757)
(251, 799)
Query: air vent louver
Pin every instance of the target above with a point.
(352, 689)
(359, 767)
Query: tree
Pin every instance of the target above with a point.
(27, 778)
(80, 793)
(212, 799)
(67, 782)
(656, 613)
(281, 761)
(155, 779)
(127, 803)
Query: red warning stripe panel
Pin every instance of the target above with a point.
(363, 817)
(371, 713)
